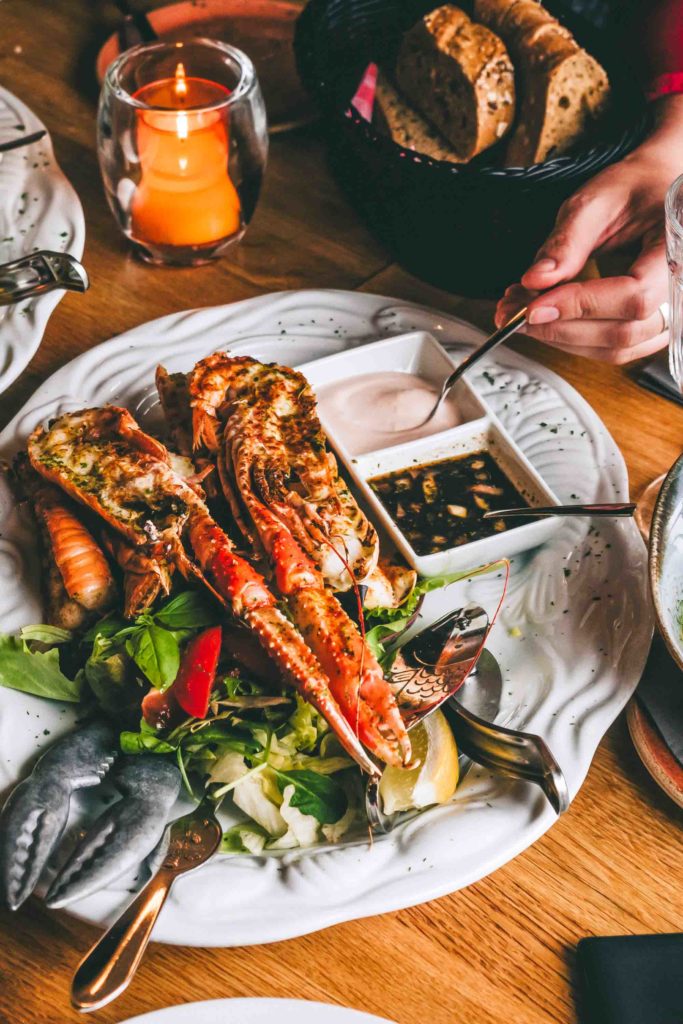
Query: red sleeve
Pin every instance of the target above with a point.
(662, 21)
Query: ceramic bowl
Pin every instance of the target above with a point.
(666, 560)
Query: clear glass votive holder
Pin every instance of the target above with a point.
(182, 142)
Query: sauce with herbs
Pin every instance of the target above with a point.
(440, 505)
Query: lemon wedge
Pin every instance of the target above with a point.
(434, 780)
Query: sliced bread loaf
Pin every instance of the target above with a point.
(562, 89)
(394, 117)
(460, 77)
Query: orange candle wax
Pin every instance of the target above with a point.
(185, 196)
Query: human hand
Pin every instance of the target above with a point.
(615, 319)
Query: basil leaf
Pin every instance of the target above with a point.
(156, 653)
(188, 610)
(376, 636)
(314, 794)
(37, 672)
(45, 634)
(107, 627)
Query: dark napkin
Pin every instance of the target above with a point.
(632, 979)
(656, 377)
(660, 691)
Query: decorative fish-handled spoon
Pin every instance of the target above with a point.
(430, 668)
(112, 962)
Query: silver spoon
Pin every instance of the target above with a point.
(497, 338)
(110, 965)
(608, 508)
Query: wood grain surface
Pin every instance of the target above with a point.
(502, 950)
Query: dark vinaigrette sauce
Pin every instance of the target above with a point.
(440, 505)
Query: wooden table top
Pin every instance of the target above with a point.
(503, 949)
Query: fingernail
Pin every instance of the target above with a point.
(543, 315)
(544, 266)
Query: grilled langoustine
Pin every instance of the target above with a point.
(268, 412)
(102, 458)
(78, 582)
(267, 441)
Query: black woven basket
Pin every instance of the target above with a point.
(472, 229)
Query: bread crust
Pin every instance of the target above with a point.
(460, 77)
(562, 88)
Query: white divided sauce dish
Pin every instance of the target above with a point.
(419, 353)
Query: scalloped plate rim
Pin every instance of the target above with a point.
(44, 306)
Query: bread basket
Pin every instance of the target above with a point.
(472, 229)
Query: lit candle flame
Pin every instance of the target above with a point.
(180, 81)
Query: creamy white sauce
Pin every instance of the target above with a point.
(377, 410)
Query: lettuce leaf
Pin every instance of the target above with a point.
(244, 838)
(316, 795)
(36, 672)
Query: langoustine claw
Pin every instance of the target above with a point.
(254, 604)
(355, 677)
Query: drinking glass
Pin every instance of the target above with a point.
(673, 211)
(673, 216)
(182, 142)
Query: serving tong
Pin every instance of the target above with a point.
(429, 670)
(40, 272)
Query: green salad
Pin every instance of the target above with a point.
(173, 685)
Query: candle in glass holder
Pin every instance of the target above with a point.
(185, 196)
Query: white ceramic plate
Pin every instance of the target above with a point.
(38, 210)
(572, 641)
(256, 1011)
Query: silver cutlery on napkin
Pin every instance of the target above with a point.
(40, 272)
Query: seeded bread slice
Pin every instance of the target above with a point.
(460, 77)
(562, 89)
(395, 118)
